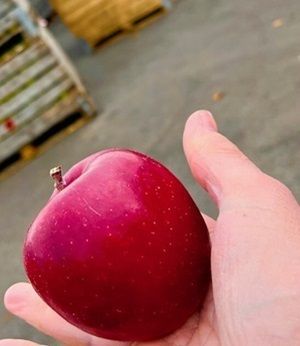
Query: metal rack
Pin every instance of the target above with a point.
(39, 86)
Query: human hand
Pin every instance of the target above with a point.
(255, 295)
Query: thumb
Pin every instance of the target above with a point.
(216, 163)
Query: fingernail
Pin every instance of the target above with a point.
(203, 121)
(206, 120)
(12, 299)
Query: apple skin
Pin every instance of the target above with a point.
(122, 252)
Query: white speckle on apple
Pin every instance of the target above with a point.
(146, 193)
(158, 187)
(186, 213)
(164, 250)
(144, 223)
(149, 243)
(71, 242)
(152, 233)
(169, 209)
(39, 275)
(107, 227)
(171, 228)
(68, 277)
(85, 225)
(86, 240)
(68, 226)
(110, 234)
(170, 244)
(110, 210)
(154, 222)
(142, 257)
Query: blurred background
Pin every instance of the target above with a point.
(79, 76)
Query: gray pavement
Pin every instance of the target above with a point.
(149, 82)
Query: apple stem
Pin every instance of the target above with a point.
(56, 175)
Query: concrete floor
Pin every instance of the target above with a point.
(148, 83)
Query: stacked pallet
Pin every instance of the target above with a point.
(95, 20)
(9, 29)
(38, 86)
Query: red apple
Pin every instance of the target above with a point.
(120, 250)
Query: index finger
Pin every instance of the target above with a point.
(17, 342)
(24, 302)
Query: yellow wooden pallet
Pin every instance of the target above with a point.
(95, 20)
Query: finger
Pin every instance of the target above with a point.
(15, 342)
(216, 163)
(210, 223)
(23, 301)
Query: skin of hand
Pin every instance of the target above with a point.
(255, 294)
